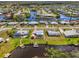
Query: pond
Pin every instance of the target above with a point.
(63, 17)
(29, 51)
(32, 16)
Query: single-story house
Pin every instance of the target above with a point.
(54, 23)
(12, 23)
(43, 22)
(21, 33)
(38, 33)
(64, 22)
(71, 33)
(46, 15)
(33, 23)
(1, 39)
(2, 23)
(23, 23)
(53, 33)
(4, 29)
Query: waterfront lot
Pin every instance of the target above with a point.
(6, 47)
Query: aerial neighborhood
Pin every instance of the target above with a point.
(38, 23)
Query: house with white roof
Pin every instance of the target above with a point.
(54, 23)
(2, 23)
(1, 39)
(33, 23)
(38, 33)
(71, 33)
(53, 33)
(21, 33)
(12, 23)
(43, 22)
(23, 23)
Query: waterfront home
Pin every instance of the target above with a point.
(1, 39)
(54, 23)
(38, 33)
(2, 23)
(21, 33)
(71, 33)
(32, 23)
(43, 22)
(8, 15)
(2, 29)
(53, 33)
(12, 23)
(64, 22)
(23, 23)
(74, 22)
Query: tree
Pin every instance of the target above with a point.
(15, 17)
(27, 15)
(11, 33)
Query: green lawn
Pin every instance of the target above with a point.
(56, 42)
(72, 40)
(26, 41)
(38, 41)
(15, 42)
(9, 46)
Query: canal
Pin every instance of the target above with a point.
(32, 16)
(30, 52)
(63, 17)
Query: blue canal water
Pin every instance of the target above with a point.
(34, 13)
(32, 16)
(63, 17)
(2, 17)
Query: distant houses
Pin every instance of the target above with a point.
(32, 23)
(2, 23)
(1, 39)
(25, 23)
(64, 22)
(43, 22)
(54, 23)
(12, 23)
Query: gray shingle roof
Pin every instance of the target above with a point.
(71, 33)
(53, 33)
(39, 32)
(32, 23)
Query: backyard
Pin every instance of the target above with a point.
(13, 43)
